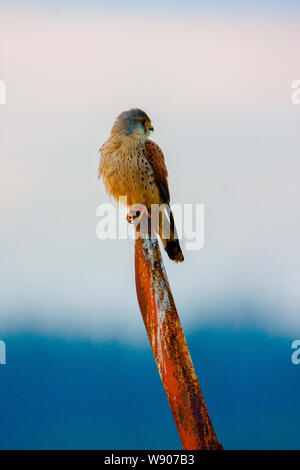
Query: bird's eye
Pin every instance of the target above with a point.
(143, 122)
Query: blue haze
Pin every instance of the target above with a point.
(70, 394)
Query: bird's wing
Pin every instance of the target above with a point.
(156, 159)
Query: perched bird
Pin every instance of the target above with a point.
(132, 165)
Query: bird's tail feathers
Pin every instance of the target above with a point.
(168, 234)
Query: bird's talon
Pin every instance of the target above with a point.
(129, 218)
(135, 215)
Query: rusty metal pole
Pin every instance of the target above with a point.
(170, 349)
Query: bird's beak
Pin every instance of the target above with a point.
(151, 128)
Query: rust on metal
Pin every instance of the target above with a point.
(170, 349)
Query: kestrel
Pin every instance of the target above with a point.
(132, 165)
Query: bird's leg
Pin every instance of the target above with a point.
(136, 213)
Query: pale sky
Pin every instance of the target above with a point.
(218, 91)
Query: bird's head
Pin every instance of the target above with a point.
(133, 123)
